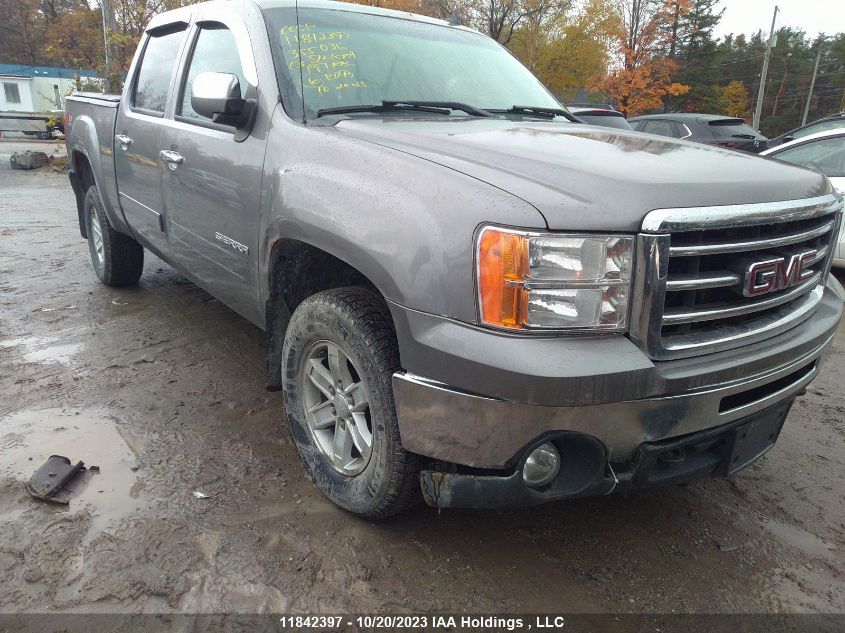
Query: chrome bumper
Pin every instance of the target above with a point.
(447, 424)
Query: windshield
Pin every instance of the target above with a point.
(826, 155)
(350, 59)
(824, 126)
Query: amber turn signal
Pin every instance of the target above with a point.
(502, 267)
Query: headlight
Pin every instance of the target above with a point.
(550, 281)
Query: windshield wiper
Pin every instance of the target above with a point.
(451, 105)
(546, 113)
(432, 107)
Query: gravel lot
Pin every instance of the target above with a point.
(162, 387)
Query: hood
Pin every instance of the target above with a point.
(581, 177)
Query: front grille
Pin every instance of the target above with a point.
(699, 270)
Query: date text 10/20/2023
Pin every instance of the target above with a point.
(445, 622)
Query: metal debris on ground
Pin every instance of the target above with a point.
(50, 480)
(29, 160)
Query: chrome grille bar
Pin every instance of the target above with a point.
(706, 218)
(750, 245)
(676, 316)
(723, 279)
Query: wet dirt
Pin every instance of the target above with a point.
(163, 388)
(28, 438)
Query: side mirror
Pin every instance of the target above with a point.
(786, 139)
(217, 96)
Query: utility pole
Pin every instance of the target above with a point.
(105, 10)
(108, 26)
(759, 109)
(812, 85)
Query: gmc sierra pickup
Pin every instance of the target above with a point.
(466, 293)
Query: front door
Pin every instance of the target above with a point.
(212, 184)
(137, 137)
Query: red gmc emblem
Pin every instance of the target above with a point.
(777, 273)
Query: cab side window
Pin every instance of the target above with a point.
(215, 51)
(153, 78)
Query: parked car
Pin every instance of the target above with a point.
(832, 122)
(601, 117)
(465, 293)
(710, 129)
(824, 152)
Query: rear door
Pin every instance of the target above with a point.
(138, 132)
(212, 194)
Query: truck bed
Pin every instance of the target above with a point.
(98, 98)
(89, 125)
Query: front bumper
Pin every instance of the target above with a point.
(719, 452)
(480, 432)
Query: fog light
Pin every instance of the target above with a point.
(542, 465)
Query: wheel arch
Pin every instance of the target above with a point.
(297, 270)
(81, 178)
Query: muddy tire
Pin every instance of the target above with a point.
(338, 360)
(117, 258)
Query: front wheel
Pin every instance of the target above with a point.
(338, 361)
(117, 258)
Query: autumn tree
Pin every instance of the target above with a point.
(21, 31)
(643, 75)
(736, 100)
(569, 46)
(50, 32)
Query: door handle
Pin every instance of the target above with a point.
(172, 158)
(124, 141)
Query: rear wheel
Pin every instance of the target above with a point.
(337, 366)
(117, 258)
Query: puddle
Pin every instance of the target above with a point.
(54, 354)
(39, 350)
(14, 342)
(799, 538)
(28, 438)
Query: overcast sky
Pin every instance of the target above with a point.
(813, 16)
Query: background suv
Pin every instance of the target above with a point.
(710, 129)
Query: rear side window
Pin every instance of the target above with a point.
(732, 128)
(153, 79)
(662, 128)
(217, 52)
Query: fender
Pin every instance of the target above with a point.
(83, 135)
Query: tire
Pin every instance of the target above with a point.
(117, 258)
(354, 326)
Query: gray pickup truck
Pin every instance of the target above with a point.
(468, 296)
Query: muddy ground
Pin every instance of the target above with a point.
(163, 388)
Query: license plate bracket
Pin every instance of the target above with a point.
(752, 439)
